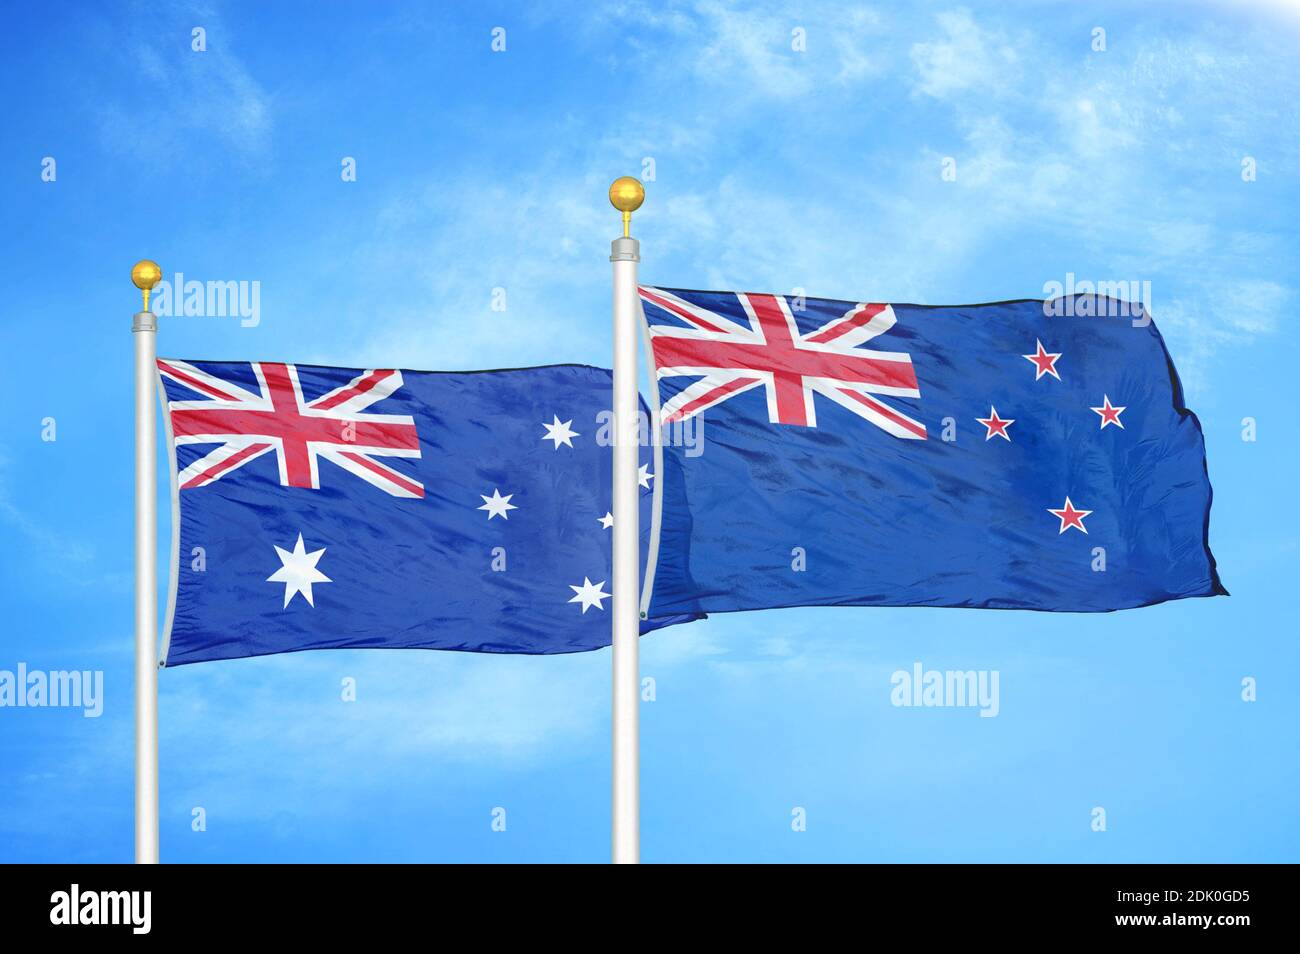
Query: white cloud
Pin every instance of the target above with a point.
(966, 57)
(231, 730)
(194, 100)
(58, 551)
(1086, 148)
(540, 240)
(749, 52)
(1203, 320)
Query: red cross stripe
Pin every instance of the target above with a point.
(300, 432)
(729, 358)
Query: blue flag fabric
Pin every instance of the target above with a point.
(1022, 454)
(339, 508)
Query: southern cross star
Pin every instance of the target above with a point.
(996, 425)
(1043, 361)
(496, 505)
(560, 432)
(1109, 413)
(1070, 516)
(589, 594)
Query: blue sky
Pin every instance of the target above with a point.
(774, 169)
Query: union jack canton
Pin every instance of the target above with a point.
(768, 350)
(278, 419)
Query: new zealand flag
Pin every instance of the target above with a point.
(1025, 454)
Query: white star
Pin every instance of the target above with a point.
(589, 594)
(298, 572)
(559, 432)
(606, 521)
(496, 505)
(643, 476)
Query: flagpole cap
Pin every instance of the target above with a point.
(626, 194)
(145, 274)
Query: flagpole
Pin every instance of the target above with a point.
(145, 275)
(626, 195)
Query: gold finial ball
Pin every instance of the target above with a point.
(626, 194)
(145, 274)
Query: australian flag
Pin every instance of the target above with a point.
(1024, 454)
(320, 507)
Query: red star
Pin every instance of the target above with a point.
(995, 424)
(1109, 413)
(1044, 361)
(1070, 517)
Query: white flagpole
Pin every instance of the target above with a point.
(144, 329)
(626, 195)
